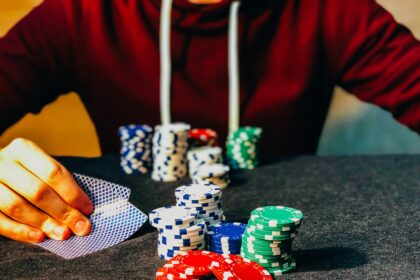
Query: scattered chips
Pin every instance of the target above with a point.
(242, 147)
(170, 146)
(205, 199)
(202, 137)
(268, 238)
(225, 237)
(136, 148)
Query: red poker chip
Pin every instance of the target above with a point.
(235, 267)
(165, 274)
(203, 137)
(194, 263)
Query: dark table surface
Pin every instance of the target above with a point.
(362, 219)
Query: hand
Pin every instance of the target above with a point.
(38, 196)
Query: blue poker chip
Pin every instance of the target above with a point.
(225, 252)
(226, 231)
(222, 244)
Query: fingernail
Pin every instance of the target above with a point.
(82, 227)
(36, 236)
(61, 232)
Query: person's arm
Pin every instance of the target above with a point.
(374, 57)
(36, 58)
(38, 196)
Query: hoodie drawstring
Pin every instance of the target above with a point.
(166, 67)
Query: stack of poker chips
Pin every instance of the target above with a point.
(225, 237)
(205, 265)
(205, 199)
(216, 174)
(179, 230)
(268, 238)
(136, 148)
(170, 146)
(203, 156)
(242, 147)
(202, 137)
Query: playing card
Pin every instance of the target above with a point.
(114, 220)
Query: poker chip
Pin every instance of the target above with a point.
(242, 147)
(225, 237)
(194, 263)
(136, 148)
(179, 230)
(170, 146)
(199, 137)
(275, 216)
(268, 238)
(205, 199)
(205, 155)
(176, 216)
(216, 174)
(236, 268)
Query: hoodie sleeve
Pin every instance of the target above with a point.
(374, 57)
(36, 57)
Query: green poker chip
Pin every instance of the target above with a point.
(276, 272)
(252, 228)
(265, 251)
(270, 237)
(267, 262)
(261, 227)
(277, 216)
(256, 240)
(242, 147)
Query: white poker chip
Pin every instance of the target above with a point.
(197, 192)
(176, 216)
(212, 170)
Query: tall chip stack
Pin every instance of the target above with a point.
(179, 230)
(205, 199)
(136, 148)
(170, 146)
(268, 238)
(242, 147)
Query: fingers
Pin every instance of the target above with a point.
(19, 232)
(21, 211)
(42, 196)
(50, 172)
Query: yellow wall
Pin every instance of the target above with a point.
(64, 127)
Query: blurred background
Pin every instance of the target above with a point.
(352, 127)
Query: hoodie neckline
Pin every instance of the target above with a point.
(206, 17)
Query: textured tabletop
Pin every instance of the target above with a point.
(362, 219)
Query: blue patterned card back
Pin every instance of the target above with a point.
(114, 220)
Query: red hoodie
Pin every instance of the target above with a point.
(292, 53)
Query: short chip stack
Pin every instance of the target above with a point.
(204, 199)
(225, 238)
(268, 238)
(202, 137)
(170, 145)
(216, 174)
(136, 148)
(179, 230)
(242, 148)
(203, 156)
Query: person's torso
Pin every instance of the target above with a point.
(285, 87)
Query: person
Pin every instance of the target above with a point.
(291, 53)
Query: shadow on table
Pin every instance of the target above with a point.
(329, 258)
